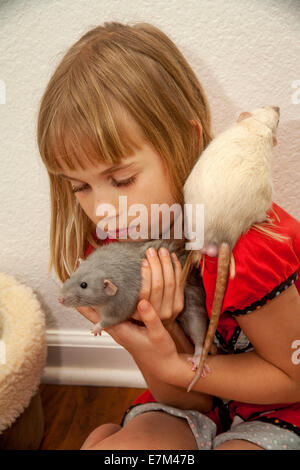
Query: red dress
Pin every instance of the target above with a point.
(264, 268)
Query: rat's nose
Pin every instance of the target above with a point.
(61, 300)
(277, 109)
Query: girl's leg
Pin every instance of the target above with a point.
(153, 430)
(147, 431)
(100, 433)
(238, 444)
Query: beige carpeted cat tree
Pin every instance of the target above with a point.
(23, 352)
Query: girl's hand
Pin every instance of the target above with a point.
(161, 285)
(90, 313)
(151, 343)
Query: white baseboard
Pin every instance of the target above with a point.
(79, 358)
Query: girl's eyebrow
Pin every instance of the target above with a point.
(111, 169)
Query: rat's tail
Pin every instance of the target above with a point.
(224, 258)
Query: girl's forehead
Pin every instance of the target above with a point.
(98, 168)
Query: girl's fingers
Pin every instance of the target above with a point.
(161, 284)
(157, 280)
(178, 304)
(169, 284)
(145, 290)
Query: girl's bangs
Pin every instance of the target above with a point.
(80, 136)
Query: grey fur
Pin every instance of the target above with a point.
(120, 263)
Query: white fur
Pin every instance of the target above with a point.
(233, 177)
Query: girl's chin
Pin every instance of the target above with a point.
(126, 235)
(129, 239)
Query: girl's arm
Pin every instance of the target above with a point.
(270, 374)
(161, 285)
(163, 392)
(171, 394)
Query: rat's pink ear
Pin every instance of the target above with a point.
(109, 287)
(243, 116)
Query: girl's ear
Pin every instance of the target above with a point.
(109, 287)
(198, 130)
(243, 116)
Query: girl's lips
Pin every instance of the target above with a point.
(121, 231)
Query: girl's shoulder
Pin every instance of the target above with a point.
(264, 266)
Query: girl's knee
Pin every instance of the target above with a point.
(238, 444)
(151, 431)
(99, 434)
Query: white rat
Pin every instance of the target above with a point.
(233, 180)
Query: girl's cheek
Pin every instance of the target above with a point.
(86, 205)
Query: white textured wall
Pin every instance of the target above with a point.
(245, 53)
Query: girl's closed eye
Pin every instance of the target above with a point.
(115, 183)
(75, 189)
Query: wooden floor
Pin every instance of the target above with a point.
(72, 412)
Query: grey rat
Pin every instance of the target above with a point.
(109, 280)
(233, 180)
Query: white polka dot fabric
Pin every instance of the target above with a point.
(266, 435)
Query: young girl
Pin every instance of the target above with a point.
(125, 115)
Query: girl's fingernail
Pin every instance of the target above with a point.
(174, 255)
(152, 252)
(144, 262)
(144, 305)
(164, 251)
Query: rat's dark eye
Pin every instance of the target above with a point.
(83, 285)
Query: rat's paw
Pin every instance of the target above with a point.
(97, 328)
(196, 357)
(195, 360)
(206, 370)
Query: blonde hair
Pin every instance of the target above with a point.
(135, 67)
(139, 68)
